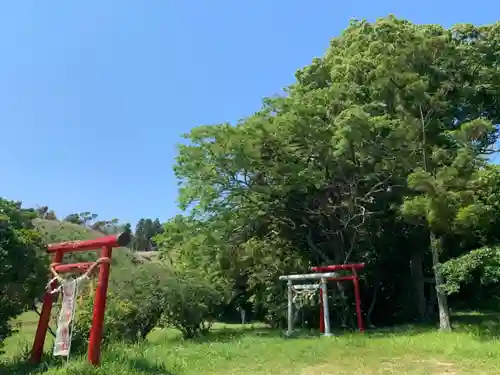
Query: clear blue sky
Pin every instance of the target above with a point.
(94, 95)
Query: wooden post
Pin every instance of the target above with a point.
(44, 320)
(94, 348)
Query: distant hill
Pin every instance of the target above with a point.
(60, 231)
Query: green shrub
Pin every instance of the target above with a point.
(191, 302)
(162, 296)
(117, 323)
(143, 286)
(133, 308)
(150, 295)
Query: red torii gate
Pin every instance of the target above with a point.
(355, 280)
(106, 244)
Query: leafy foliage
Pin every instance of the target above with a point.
(482, 264)
(145, 231)
(190, 302)
(144, 287)
(148, 296)
(118, 322)
(134, 306)
(22, 263)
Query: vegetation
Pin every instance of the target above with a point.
(22, 264)
(378, 153)
(145, 231)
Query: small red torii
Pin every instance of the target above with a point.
(355, 281)
(106, 244)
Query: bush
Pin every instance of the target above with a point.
(191, 302)
(147, 296)
(143, 286)
(23, 268)
(133, 308)
(117, 323)
(162, 296)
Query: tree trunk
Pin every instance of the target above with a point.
(417, 275)
(442, 299)
(372, 305)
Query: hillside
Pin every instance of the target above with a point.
(59, 231)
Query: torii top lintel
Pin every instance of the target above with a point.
(339, 267)
(121, 239)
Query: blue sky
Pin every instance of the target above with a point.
(95, 94)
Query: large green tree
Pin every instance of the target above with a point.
(393, 115)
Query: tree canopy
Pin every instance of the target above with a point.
(374, 154)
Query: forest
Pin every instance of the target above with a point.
(381, 152)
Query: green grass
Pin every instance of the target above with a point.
(472, 349)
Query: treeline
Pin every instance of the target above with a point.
(145, 230)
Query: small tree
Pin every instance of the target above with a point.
(144, 287)
(191, 302)
(42, 211)
(74, 219)
(50, 215)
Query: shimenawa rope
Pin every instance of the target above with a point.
(62, 281)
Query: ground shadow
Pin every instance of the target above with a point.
(142, 366)
(403, 330)
(227, 334)
(481, 325)
(16, 368)
(20, 365)
(137, 365)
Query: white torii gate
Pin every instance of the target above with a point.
(323, 277)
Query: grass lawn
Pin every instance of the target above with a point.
(232, 350)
